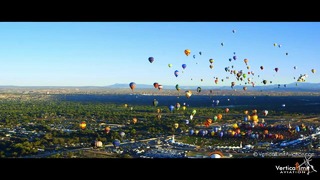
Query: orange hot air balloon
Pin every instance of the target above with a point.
(265, 132)
(219, 116)
(134, 120)
(107, 129)
(132, 85)
(187, 52)
(227, 110)
(83, 125)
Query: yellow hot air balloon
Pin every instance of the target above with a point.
(158, 110)
(212, 133)
(313, 70)
(196, 132)
(169, 65)
(235, 125)
(176, 125)
(188, 93)
(184, 107)
(83, 125)
(187, 52)
(254, 117)
(125, 105)
(246, 112)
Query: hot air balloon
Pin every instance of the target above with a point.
(83, 125)
(160, 87)
(219, 116)
(125, 105)
(261, 67)
(287, 54)
(234, 57)
(215, 118)
(211, 61)
(233, 31)
(188, 93)
(156, 85)
(211, 66)
(107, 129)
(122, 134)
(191, 131)
(276, 69)
(198, 89)
(184, 66)
(194, 112)
(222, 44)
(232, 84)
(275, 44)
(176, 125)
(158, 116)
(134, 120)
(227, 110)
(187, 52)
(313, 70)
(194, 56)
(264, 81)
(176, 73)
(178, 106)
(132, 85)
(191, 117)
(245, 61)
(171, 108)
(151, 59)
(116, 143)
(230, 59)
(200, 53)
(155, 102)
(184, 108)
(187, 121)
(244, 88)
(265, 112)
(169, 65)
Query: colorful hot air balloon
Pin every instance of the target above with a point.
(198, 89)
(188, 93)
(176, 73)
(219, 116)
(156, 85)
(211, 61)
(313, 70)
(245, 61)
(187, 52)
(155, 102)
(151, 59)
(177, 87)
(107, 129)
(132, 85)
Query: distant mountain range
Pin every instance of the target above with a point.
(300, 86)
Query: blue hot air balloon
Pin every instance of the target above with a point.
(116, 143)
(171, 108)
(184, 66)
(191, 131)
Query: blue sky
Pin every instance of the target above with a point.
(105, 53)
